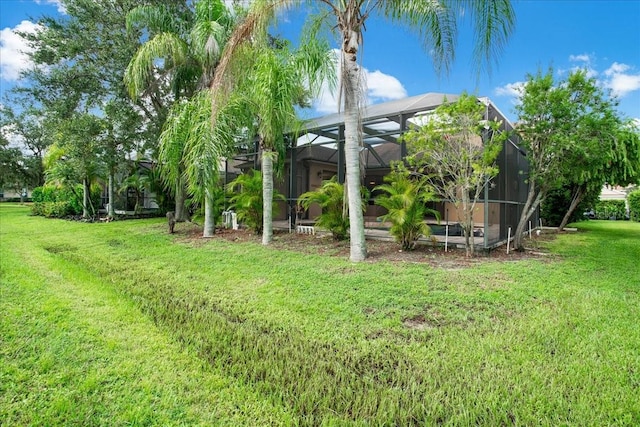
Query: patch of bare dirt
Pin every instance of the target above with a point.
(378, 250)
(420, 323)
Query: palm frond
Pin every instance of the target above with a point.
(494, 21)
(207, 39)
(433, 21)
(157, 19)
(140, 71)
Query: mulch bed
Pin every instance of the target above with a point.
(379, 250)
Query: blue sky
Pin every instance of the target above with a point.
(602, 36)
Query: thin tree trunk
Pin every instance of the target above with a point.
(40, 177)
(209, 217)
(180, 199)
(578, 195)
(111, 210)
(267, 196)
(532, 203)
(352, 90)
(86, 194)
(468, 228)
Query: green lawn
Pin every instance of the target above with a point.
(122, 324)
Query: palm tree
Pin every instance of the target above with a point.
(272, 88)
(435, 23)
(200, 145)
(190, 47)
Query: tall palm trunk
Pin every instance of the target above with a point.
(209, 217)
(111, 210)
(352, 91)
(267, 196)
(180, 200)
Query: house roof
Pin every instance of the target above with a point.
(409, 106)
(382, 125)
(612, 193)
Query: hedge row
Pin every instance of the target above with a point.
(59, 202)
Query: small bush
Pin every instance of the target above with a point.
(405, 200)
(58, 202)
(247, 200)
(634, 205)
(330, 197)
(37, 208)
(58, 209)
(37, 194)
(611, 209)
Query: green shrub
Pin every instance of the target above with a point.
(334, 216)
(58, 209)
(247, 201)
(330, 197)
(611, 209)
(46, 193)
(37, 194)
(37, 208)
(57, 202)
(557, 202)
(633, 199)
(405, 200)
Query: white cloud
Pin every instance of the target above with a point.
(616, 68)
(591, 73)
(622, 84)
(57, 3)
(509, 90)
(580, 58)
(383, 87)
(586, 65)
(14, 49)
(380, 87)
(621, 79)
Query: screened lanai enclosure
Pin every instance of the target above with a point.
(317, 154)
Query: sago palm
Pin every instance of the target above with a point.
(330, 198)
(247, 199)
(405, 200)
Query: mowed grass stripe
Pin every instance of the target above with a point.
(76, 353)
(529, 342)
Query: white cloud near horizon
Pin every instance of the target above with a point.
(380, 87)
(621, 79)
(14, 49)
(586, 65)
